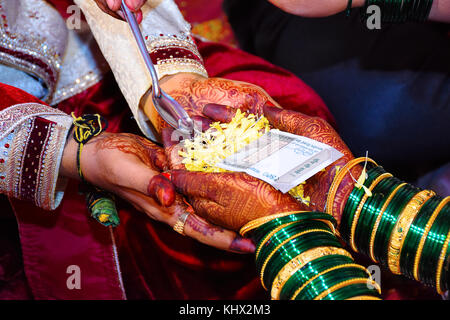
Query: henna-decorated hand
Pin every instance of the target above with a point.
(227, 199)
(231, 199)
(193, 92)
(312, 127)
(130, 166)
(121, 163)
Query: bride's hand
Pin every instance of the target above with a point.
(314, 128)
(121, 163)
(130, 166)
(112, 7)
(193, 92)
(231, 199)
(227, 199)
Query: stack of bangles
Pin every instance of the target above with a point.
(299, 257)
(398, 11)
(404, 228)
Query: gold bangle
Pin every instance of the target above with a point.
(425, 235)
(402, 226)
(378, 220)
(441, 263)
(181, 222)
(269, 235)
(266, 261)
(359, 208)
(296, 293)
(338, 178)
(347, 283)
(363, 298)
(260, 221)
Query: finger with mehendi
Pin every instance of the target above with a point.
(201, 123)
(218, 237)
(162, 190)
(172, 148)
(219, 112)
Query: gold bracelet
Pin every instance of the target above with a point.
(425, 235)
(260, 221)
(378, 220)
(347, 283)
(296, 293)
(402, 226)
(266, 261)
(269, 235)
(363, 298)
(338, 180)
(441, 263)
(359, 208)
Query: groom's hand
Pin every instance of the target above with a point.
(112, 7)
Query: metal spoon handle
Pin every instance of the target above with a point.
(131, 19)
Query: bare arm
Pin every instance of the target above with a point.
(440, 10)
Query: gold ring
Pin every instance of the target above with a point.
(179, 225)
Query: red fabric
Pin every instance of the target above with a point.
(51, 242)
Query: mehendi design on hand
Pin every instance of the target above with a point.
(149, 153)
(320, 130)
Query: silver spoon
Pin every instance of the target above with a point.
(168, 108)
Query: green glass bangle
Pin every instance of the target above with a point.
(367, 218)
(353, 290)
(390, 219)
(381, 233)
(353, 201)
(432, 248)
(286, 233)
(264, 229)
(283, 256)
(295, 247)
(310, 270)
(328, 280)
(369, 212)
(292, 249)
(414, 235)
(445, 276)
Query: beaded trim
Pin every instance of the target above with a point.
(172, 54)
(30, 53)
(32, 155)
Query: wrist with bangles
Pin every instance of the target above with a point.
(404, 228)
(394, 224)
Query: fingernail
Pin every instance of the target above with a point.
(242, 245)
(161, 189)
(219, 112)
